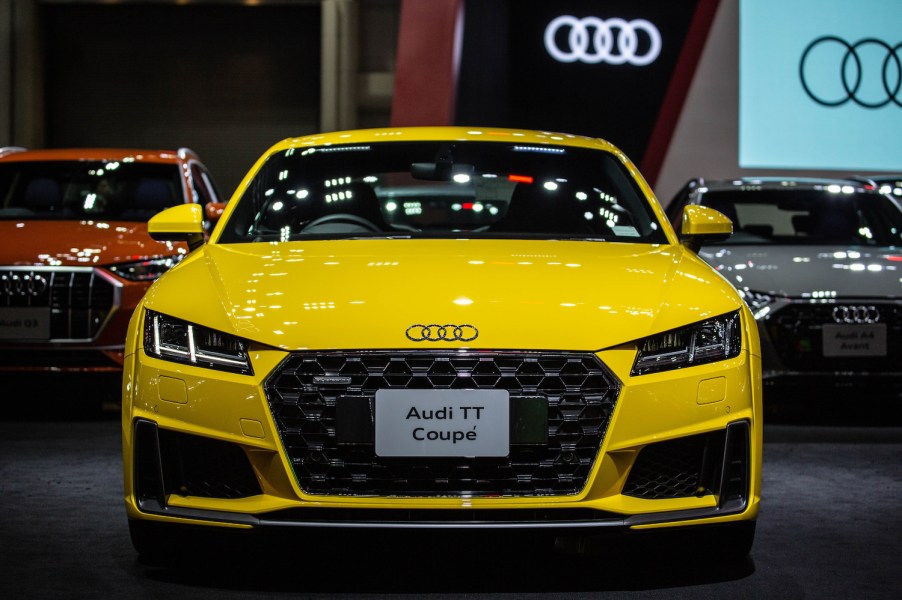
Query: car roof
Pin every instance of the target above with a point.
(421, 134)
(75, 154)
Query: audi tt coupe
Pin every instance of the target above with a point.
(435, 328)
(75, 257)
(819, 262)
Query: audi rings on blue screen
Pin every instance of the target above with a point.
(867, 72)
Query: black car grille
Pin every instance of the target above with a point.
(797, 334)
(78, 299)
(306, 389)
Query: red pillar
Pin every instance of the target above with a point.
(429, 42)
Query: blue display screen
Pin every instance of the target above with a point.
(820, 84)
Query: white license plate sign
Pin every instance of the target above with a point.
(21, 323)
(855, 340)
(442, 423)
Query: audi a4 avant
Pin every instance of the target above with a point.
(819, 264)
(442, 328)
(75, 257)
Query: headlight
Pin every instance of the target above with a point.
(145, 270)
(179, 341)
(758, 301)
(705, 342)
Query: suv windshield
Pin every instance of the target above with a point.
(442, 189)
(77, 190)
(801, 217)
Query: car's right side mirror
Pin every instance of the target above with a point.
(702, 225)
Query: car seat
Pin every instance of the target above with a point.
(43, 195)
(151, 196)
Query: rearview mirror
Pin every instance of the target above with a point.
(440, 171)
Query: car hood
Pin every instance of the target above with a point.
(810, 271)
(77, 243)
(367, 293)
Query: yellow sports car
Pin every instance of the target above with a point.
(442, 328)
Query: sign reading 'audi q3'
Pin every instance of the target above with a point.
(597, 68)
(825, 89)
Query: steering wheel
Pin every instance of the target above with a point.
(345, 218)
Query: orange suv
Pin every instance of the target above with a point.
(75, 255)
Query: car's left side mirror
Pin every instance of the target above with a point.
(702, 225)
(182, 223)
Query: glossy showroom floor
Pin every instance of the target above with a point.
(830, 528)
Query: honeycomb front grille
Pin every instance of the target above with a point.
(797, 333)
(579, 391)
(77, 301)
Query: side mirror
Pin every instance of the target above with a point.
(702, 225)
(182, 223)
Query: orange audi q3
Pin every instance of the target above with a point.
(75, 255)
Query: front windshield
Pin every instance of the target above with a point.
(77, 190)
(442, 189)
(808, 217)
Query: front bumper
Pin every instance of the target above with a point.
(827, 342)
(241, 475)
(64, 319)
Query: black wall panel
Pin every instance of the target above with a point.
(226, 81)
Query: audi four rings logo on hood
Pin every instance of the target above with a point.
(593, 40)
(441, 333)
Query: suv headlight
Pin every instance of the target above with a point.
(708, 341)
(182, 342)
(758, 301)
(145, 270)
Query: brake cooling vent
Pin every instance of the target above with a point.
(711, 463)
(170, 462)
(669, 469)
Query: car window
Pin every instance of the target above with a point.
(443, 189)
(817, 216)
(103, 190)
(204, 188)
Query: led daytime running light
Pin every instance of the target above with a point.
(178, 341)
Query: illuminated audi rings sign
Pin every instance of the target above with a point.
(13, 283)
(851, 66)
(856, 314)
(442, 333)
(593, 40)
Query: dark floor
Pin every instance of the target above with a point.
(830, 527)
